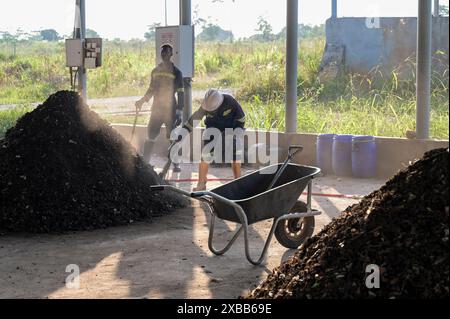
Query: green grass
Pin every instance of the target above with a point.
(339, 118)
(9, 118)
(374, 103)
(325, 118)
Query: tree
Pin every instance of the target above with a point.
(197, 20)
(212, 32)
(91, 33)
(305, 31)
(150, 35)
(265, 29)
(13, 38)
(34, 36)
(50, 35)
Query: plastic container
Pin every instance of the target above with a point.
(364, 156)
(325, 152)
(342, 155)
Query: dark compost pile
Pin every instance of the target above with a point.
(402, 228)
(63, 168)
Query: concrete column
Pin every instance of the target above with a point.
(291, 66)
(424, 28)
(436, 8)
(80, 33)
(186, 19)
(334, 9)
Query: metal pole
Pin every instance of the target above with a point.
(81, 34)
(186, 19)
(424, 29)
(334, 9)
(291, 66)
(165, 12)
(436, 8)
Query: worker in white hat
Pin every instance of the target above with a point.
(222, 112)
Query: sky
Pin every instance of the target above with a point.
(129, 19)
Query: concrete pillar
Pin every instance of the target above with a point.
(80, 33)
(291, 66)
(186, 19)
(436, 8)
(424, 26)
(334, 9)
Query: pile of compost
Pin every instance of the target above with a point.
(63, 168)
(401, 228)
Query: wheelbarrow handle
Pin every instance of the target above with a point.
(198, 194)
(157, 188)
(294, 149)
(163, 188)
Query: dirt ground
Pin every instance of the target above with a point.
(168, 258)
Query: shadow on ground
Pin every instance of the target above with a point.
(166, 259)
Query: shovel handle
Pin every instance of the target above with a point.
(294, 149)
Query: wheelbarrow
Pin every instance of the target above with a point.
(269, 193)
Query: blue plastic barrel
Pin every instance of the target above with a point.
(342, 155)
(364, 156)
(325, 152)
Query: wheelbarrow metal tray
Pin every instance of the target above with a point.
(258, 203)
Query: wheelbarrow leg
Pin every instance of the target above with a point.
(244, 227)
(211, 238)
(244, 221)
(272, 232)
(262, 257)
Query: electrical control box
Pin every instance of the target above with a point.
(181, 38)
(85, 53)
(74, 53)
(93, 53)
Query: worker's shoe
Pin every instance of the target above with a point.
(176, 168)
(201, 186)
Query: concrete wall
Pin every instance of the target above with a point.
(387, 46)
(393, 154)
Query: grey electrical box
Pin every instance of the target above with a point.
(181, 38)
(93, 53)
(74, 53)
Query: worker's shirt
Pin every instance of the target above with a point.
(166, 82)
(229, 115)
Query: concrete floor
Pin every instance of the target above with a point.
(168, 258)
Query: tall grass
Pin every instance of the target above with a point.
(341, 117)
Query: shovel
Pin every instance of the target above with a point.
(166, 168)
(133, 132)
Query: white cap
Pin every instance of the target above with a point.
(213, 100)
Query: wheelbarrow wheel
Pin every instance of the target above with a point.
(292, 233)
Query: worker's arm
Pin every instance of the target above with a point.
(148, 95)
(197, 116)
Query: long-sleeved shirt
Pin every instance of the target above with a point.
(165, 84)
(229, 115)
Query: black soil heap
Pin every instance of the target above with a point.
(63, 168)
(402, 228)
